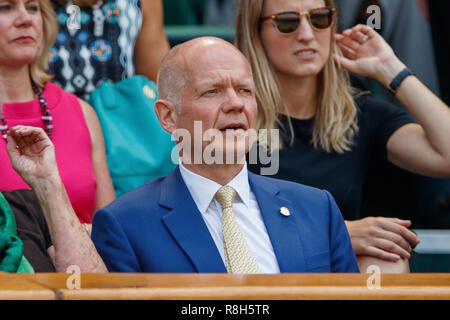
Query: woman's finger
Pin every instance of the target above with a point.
(27, 130)
(28, 136)
(405, 223)
(349, 42)
(347, 51)
(359, 35)
(407, 234)
(364, 29)
(391, 247)
(11, 145)
(394, 237)
(345, 62)
(381, 254)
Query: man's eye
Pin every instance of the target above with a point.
(245, 91)
(211, 92)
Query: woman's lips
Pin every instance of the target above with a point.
(24, 39)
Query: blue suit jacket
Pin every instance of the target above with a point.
(158, 228)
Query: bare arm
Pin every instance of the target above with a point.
(105, 190)
(151, 44)
(400, 266)
(421, 148)
(34, 160)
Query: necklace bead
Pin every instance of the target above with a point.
(3, 126)
(46, 116)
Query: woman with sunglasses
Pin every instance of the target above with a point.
(329, 131)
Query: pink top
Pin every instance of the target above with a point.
(72, 147)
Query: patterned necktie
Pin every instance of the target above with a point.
(238, 258)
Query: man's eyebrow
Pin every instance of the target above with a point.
(246, 83)
(216, 83)
(208, 83)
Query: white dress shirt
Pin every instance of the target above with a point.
(246, 212)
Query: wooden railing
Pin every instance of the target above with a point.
(224, 287)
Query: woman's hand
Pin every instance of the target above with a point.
(32, 154)
(384, 238)
(367, 54)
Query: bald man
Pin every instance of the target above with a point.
(210, 214)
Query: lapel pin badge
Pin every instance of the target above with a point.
(285, 211)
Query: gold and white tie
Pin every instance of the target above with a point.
(238, 258)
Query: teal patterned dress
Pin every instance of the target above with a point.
(99, 47)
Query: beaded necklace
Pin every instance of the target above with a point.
(46, 116)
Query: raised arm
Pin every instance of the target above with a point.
(421, 148)
(151, 44)
(414, 147)
(32, 155)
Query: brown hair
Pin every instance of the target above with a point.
(50, 28)
(336, 122)
(80, 3)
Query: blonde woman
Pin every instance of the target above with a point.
(27, 30)
(330, 133)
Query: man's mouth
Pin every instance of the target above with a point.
(234, 127)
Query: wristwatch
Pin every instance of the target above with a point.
(397, 81)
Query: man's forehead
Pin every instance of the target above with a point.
(222, 76)
(218, 67)
(210, 61)
(211, 55)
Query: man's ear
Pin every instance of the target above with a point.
(167, 115)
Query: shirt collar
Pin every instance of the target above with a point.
(203, 190)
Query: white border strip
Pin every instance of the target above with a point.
(433, 241)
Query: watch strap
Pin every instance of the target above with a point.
(397, 81)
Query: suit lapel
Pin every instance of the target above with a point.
(187, 226)
(283, 231)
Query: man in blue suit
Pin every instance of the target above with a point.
(215, 216)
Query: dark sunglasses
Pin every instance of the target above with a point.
(288, 22)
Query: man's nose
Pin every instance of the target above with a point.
(233, 102)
